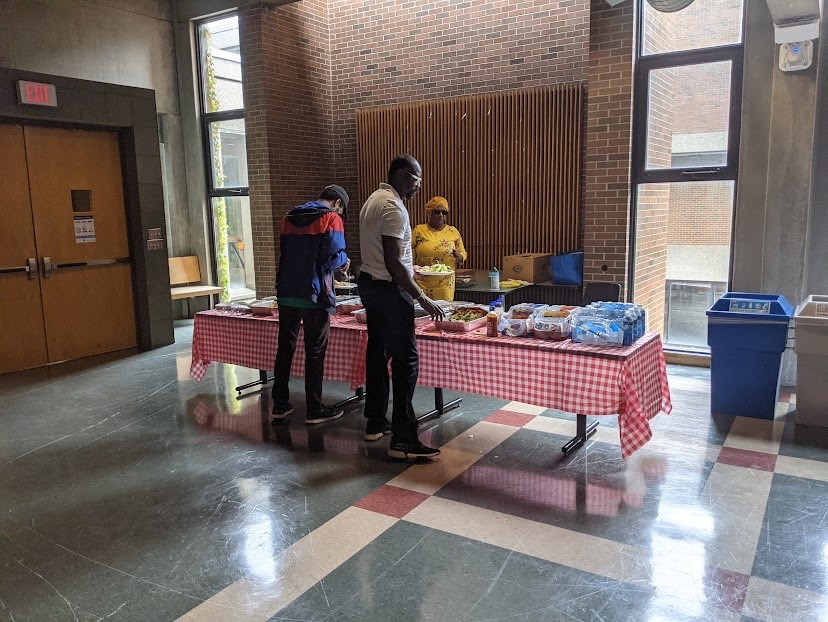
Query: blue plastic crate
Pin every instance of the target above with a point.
(747, 334)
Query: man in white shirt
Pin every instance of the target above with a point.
(388, 292)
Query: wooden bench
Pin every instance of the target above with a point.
(184, 271)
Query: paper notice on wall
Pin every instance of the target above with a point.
(84, 229)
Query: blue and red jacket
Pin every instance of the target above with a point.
(312, 246)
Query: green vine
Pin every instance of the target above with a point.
(220, 206)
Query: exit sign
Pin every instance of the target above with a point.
(36, 93)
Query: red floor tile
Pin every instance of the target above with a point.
(507, 417)
(746, 458)
(730, 588)
(391, 501)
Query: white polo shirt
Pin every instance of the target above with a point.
(383, 214)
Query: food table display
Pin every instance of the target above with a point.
(628, 381)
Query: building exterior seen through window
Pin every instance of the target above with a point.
(686, 118)
(222, 113)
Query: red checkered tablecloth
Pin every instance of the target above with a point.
(250, 341)
(629, 382)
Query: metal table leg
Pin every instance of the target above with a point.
(263, 379)
(582, 433)
(356, 397)
(439, 406)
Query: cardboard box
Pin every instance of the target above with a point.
(532, 267)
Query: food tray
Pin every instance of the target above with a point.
(262, 309)
(460, 327)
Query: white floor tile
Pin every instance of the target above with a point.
(774, 602)
(520, 407)
(735, 498)
(295, 570)
(755, 435)
(455, 457)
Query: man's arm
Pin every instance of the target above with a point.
(332, 246)
(392, 251)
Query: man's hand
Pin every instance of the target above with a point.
(430, 307)
(346, 265)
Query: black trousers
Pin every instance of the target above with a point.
(317, 324)
(390, 314)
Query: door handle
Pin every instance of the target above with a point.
(30, 268)
(49, 267)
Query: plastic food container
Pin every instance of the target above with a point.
(515, 327)
(462, 327)
(348, 306)
(552, 328)
(263, 308)
(522, 311)
(464, 279)
(361, 316)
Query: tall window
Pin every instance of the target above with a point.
(685, 154)
(225, 152)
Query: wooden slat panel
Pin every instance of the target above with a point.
(508, 163)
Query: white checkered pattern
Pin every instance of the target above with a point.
(630, 382)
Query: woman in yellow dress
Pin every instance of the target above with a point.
(436, 242)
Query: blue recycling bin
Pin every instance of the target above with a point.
(747, 334)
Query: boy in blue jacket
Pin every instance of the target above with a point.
(312, 244)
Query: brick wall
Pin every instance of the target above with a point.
(387, 52)
(287, 93)
(701, 98)
(310, 65)
(652, 227)
(607, 160)
(701, 213)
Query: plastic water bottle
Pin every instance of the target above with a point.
(494, 280)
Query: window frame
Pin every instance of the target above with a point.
(205, 120)
(210, 117)
(641, 102)
(639, 174)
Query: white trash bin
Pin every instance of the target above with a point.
(811, 347)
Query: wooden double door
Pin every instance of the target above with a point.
(65, 269)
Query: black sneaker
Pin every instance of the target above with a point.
(411, 450)
(326, 414)
(280, 411)
(375, 431)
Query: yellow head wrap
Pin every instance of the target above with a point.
(434, 203)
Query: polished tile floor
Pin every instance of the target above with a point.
(128, 491)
